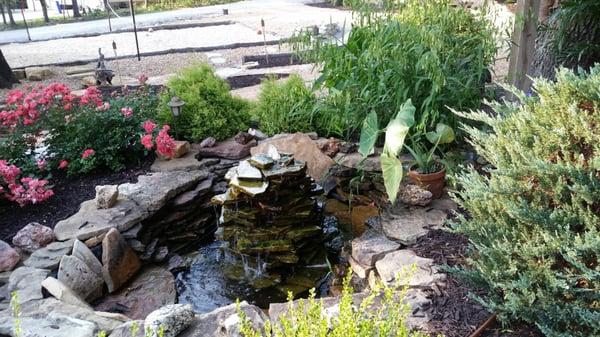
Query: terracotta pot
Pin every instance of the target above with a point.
(433, 182)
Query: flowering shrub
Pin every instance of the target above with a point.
(24, 190)
(165, 144)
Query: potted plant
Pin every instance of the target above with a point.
(428, 171)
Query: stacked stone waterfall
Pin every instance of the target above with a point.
(269, 213)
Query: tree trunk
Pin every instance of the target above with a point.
(7, 78)
(76, 9)
(3, 16)
(10, 13)
(45, 11)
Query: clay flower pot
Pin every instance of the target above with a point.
(433, 182)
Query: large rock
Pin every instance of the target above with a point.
(55, 326)
(78, 276)
(33, 237)
(151, 289)
(414, 195)
(49, 256)
(303, 148)
(371, 247)
(137, 201)
(27, 282)
(186, 162)
(129, 329)
(224, 321)
(119, 261)
(9, 257)
(83, 253)
(400, 264)
(61, 292)
(44, 312)
(187, 198)
(409, 224)
(356, 161)
(172, 319)
(106, 196)
(228, 149)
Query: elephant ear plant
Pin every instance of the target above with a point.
(395, 133)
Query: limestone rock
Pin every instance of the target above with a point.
(76, 275)
(186, 198)
(33, 237)
(412, 223)
(38, 73)
(228, 149)
(61, 292)
(414, 195)
(303, 148)
(106, 196)
(359, 269)
(27, 282)
(119, 261)
(371, 247)
(83, 253)
(9, 257)
(224, 321)
(400, 263)
(49, 256)
(151, 289)
(186, 162)
(181, 148)
(173, 318)
(125, 329)
(208, 142)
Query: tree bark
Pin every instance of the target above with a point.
(7, 78)
(76, 9)
(10, 13)
(45, 10)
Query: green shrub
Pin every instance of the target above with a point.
(432, 52)
(535, 220)
(284, 107)
(210, 110)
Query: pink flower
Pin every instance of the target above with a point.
(147, 141)
(9, 172)
(63, 164)
(165, 144)
(29, 191)
(143, 79)
(149, 126)
(127, 111)
(41, 164)
(88, 153)
(105, 106)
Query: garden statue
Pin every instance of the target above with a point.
(103, 76)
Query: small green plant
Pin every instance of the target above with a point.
(425, 162)
(16, 313)
(210, 110)
(395, 133)
(284, 107)
(103, 334)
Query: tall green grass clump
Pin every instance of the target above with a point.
(432, 52)
(284, 106)
(210, 110)
(535, 219)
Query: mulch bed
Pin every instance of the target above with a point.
(455, 314)
(69, 193)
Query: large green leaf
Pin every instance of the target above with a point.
(392, 174)
(397, 128)
(406, 113)
(443, 134)
(368, 134)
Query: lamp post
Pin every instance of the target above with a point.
(175, 104)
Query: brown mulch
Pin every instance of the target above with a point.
(69, 193)
(454, 312)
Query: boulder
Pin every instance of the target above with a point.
(409, 224)
(129, 329)
(119, 261)
(83, 253)
(9, 257)
(303, 148)
(49, 256)
(371, 247)
(181, 148)
(187, 198)
(414, 195)
(106, 196)
(78, 276)
(208, 142)
(61, 292)
(400, 263)
(151, 289)
(228, 149)
(172, 319)
(33, 237)
(56, 326)
(360, 270)
(27, 282)
(38, 73)
(224, 321)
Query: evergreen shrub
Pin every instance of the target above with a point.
(535, 218)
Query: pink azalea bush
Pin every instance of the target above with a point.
(24, 190)
(165, 144)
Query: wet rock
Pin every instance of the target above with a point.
(228, 149)
(33, 237)
(224, 321)
(257, 134)
(76, 275)
(106, 196)
(401, 263)
(414, 195)
(187, 198)
(243, 137)
(371, 247)
(303, 148)
(247, 172)
(126, 329)
(27, 281)
(360, 214)
(61, 292)
(412, 223)
(49, 256)
(9, 257)
(119, 261)
(208, 142)
(151, 289)
(262, 161)
(85, 255)
(173, 319)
